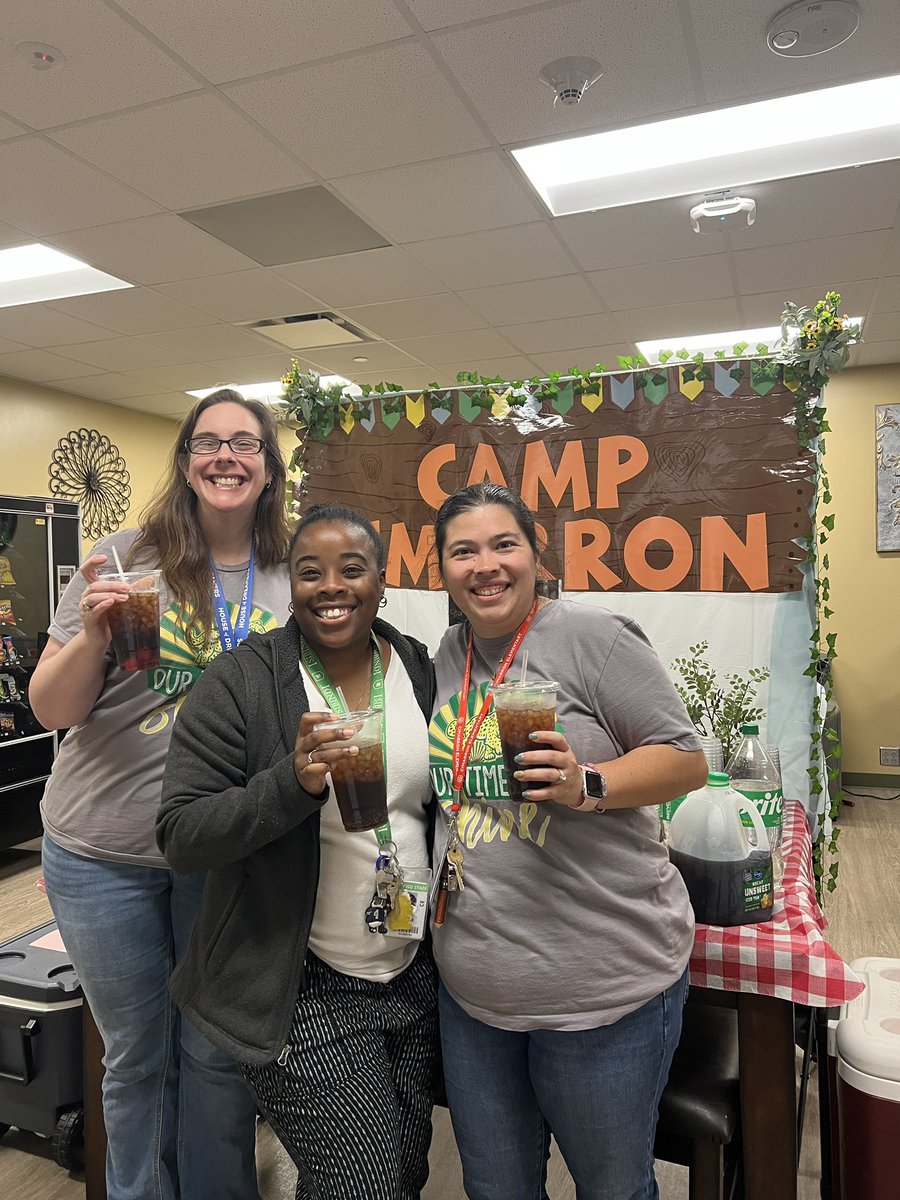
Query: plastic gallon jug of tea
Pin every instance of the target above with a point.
(726, 867)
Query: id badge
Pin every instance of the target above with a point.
(408, 917)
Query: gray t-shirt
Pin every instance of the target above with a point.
(568, 920)
(102, 798)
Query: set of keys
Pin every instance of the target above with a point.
(451, 874)
(388, 882)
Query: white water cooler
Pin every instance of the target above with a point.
(867, 1045)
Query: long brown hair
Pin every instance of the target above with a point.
(170, 531)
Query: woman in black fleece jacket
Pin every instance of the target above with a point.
(334, 1026)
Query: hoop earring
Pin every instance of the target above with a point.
(382, 603)
(290, 606)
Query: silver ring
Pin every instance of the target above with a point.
(85, 607)
(562, 775)
(309, 757)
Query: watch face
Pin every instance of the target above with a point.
(595, 785)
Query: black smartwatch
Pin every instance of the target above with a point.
(594, 783)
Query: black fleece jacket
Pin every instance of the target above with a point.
(232, 806)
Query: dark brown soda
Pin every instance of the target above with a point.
(134, 626)
(515, 724)
(359, 789)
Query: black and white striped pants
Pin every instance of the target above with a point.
(351, 1097)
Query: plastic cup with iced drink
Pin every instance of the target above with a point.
(522, 709)
(134, 624)
(358, 779)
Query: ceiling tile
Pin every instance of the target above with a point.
(409, 380)
(157, 249)
(543, 336)
(13, 237)
(7, 346)
(536, 300)
(891, 264)
(254, 368)
(388, 273)
(184, 377)
(439, 14)
(122, 354)
(109, 386)
(679, 320)
(883, 328)
(380, 356)
(412, 318)
(637, 82)
(736, 63)
(459, 195)
(765, 308)
(195, 150)
(517, 366)
(494, 256)
(44, 189)
(585, 357)
(889, 294)
(108, 63)
(801, 264)
(390, 106)
(242, 295)
(664, 282)
(174, 404)
(217, 38)
(41, 325)
(475, 345)
(878, 353)
(638, 233)
(139, 310)
(10, 128)
(40, 366)
(208, 343)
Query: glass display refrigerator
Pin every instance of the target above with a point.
(40, 549)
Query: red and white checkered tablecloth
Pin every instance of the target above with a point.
(788, 956)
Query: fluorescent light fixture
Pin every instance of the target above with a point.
(29, 274)
(814, 131)
(708, 343)
(271, 393)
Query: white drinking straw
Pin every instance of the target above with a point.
(524, 666)
(343, 700)
(119, 566)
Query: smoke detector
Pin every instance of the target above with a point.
(807, 29)
(570, 78)
(40, 56)
(719, 208)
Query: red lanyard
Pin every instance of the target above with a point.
(463, 752)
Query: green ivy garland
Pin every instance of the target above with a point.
(819, 348)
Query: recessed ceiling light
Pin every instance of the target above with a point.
(271, 393)
(725, 148)
(29, 274)
(40, 56)
(360, 358)
(709, 343)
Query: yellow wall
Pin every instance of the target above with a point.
(34, 418)
(865, 585)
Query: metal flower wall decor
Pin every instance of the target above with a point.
(88, 468)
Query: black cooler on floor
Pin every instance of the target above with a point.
(41, 1080)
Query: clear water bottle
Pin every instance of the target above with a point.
(756, 776)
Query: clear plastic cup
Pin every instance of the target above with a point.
(358, 779)
(522, 709)
(134, 624)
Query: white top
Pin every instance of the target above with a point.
(347, 873)
(868, 1033)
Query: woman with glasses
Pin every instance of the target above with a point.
(180, 1120)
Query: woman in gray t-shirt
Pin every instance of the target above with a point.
(179, 1118)
(563, 955)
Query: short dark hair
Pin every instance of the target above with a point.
(340, 514)
(480, 495)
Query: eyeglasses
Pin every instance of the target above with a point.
(207, 444)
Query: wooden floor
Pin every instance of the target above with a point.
(862, 921)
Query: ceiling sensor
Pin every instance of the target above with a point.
(718, 208)
(40, 56)
(807, 29)
(570, 78)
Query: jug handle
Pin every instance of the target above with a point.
(757, 822)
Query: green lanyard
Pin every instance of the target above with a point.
(332, 698)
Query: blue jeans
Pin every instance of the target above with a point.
(596, 1090)
(180, 1120)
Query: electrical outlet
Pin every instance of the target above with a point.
(889, 756)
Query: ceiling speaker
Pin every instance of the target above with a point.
(807, 29)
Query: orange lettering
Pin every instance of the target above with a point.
(571, 472)
(401, 553)
(427, 475)
(486, 467)
(613, 469)
(658, 529)
(750, 558)
(585, 544)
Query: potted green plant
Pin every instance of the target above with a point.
(718, 707)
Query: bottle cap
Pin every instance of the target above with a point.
(750, 729)
(718, 779)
